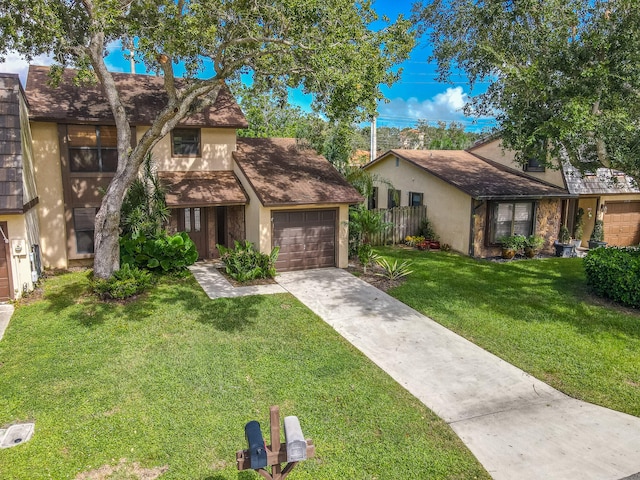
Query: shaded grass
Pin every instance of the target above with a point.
(171, 379)
(536, 314)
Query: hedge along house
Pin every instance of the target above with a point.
(472, 202)
(19, 234)
(607, 194)
(75, 157)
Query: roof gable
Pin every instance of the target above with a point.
(143, 97)
(281, 173)
(477, 177)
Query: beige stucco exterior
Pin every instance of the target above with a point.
(48, 175)
(495, 151)
(448, 208)
(217, 146)
(19, 246)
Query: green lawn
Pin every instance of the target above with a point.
(170, 379)
(536, 314)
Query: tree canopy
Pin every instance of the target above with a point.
(325, 47)
(563, 75)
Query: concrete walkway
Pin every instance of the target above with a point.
(6, 310)
(518, 427)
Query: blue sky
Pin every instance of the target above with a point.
(416, 96)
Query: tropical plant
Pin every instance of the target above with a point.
(365, 223)
(124, 283)
(564, 236)
(578, 229)
(394, 271)
(244, 263)
(513, 242)
(163, 253)
(598, 231)
(427, 230)
(366, 256)
(534, 242)
(144, 209)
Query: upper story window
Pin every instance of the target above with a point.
(92, 148)
(185, 142)
(533, 165)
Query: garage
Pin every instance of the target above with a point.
(307, 239)
(622, 223)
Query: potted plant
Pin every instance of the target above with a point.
(532, 244)
(511, 244)
(597, 236)
(563, 245)
(578, 230)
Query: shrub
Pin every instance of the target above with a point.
(564, 236)
(598, 231)
(164, 253)
(615, 273)
(393, 271)
(513, 242)
(427, 230)
(366, 255)
(534, 242)
(578, 230)
(124, 283)
(244, 263)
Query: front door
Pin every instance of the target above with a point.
(194, 222)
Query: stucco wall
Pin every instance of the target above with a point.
(494, 151)
(20, 262)
(448, 208)
(217, 147)
(48, 176)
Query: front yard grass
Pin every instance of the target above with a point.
(167, 382)
(536, 314)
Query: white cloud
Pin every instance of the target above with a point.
(15, 63)
(446, 106)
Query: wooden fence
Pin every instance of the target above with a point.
(405, 220)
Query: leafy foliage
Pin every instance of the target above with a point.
(534, 242)
(563, 75)
(363, 223)
(597, 235)
(144, 209)
(615, 273)
(366, 256)
(394, 271)
(564, 236)
(124, 283)
(427, 230)
(164, 253)
(578, 229)
(244, 263)
(513, 242)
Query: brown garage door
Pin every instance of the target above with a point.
(622, 223)
(307, 239)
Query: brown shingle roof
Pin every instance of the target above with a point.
(479, 178)
(142, 95)
(198, 189)
(281, 173)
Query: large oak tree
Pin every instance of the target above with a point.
(326, 47)
(563, 75)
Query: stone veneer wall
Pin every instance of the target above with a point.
(548, 216)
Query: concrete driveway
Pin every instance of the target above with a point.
(518, 427)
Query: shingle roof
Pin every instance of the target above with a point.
(281, 173)
(143, 97)
(479, 178)
(604, 181)
(11, 189)
(197, 189)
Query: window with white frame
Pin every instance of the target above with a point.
(510, 218)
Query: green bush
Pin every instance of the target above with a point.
(164, 253)
(124, 283)
(394, 271)
(366, 255)
(615, 273)
(244, 263)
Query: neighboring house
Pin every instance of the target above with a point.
(19, 234)
(472, 201)
(219, 189)
(608, 194)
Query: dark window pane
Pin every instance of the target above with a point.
(84, 223)
(84, 241)
(415, 199)
(186, 141)
(109, 160)
(83, 160)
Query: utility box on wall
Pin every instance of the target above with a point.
(18, 247)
